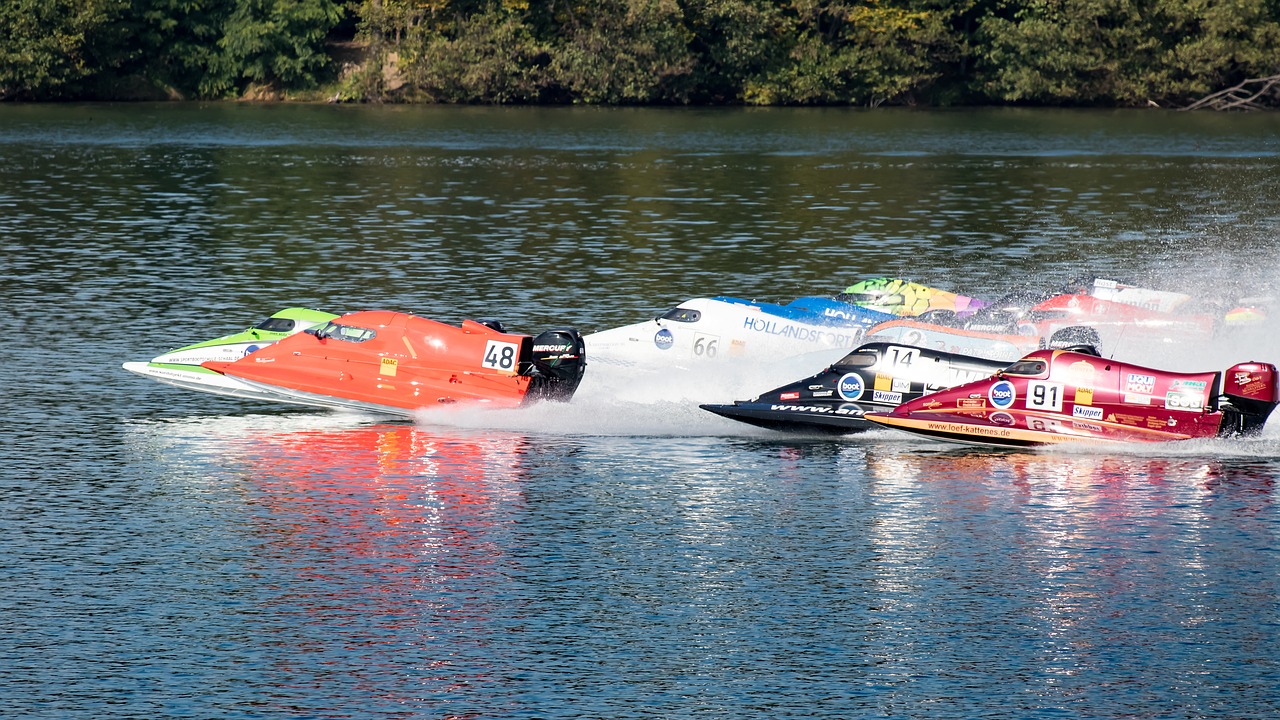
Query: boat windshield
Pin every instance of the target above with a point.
(1029, 368)
(275, 324)
(859, 359)
(345, 332)
(684, 315)
(876, 299)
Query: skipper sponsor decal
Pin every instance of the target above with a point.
(784, 329)
(1139, 383)
(1084, 396)
(664, 339)
(881, 396)
(1131, 399)
(1249, 384)
(1002, 394)
(850, 386)
(901, 385)
(1088, 413)
(1002, 418)
(789, 396)
(1185, 395)
(978, 403)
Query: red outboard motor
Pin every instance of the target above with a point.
(1249, 394)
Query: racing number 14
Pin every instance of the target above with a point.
(500, 356)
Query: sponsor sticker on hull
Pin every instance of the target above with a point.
(1139, 383)
(1002, 394)
(851, 386)
(1185, 395)
(891, 398)
(1086, 412)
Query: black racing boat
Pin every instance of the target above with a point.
(876, 377)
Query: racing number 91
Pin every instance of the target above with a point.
(500, 355)
(1044, 396)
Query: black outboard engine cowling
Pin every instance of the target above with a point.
(556, 365)
(1077, 338)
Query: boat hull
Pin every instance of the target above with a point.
(396, 363)
(201, 380)
(1059, 396)
(1018, 431)
(876, 377)
(825, 419)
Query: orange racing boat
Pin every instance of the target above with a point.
(396, 363)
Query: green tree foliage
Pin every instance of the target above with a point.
(179, 42)
(734, 41)
(859, 52)
(794, 52)
(1129, 52)
(624, 51)
(1209, 45)
(279, 43)
(52, 48)
(490, 57)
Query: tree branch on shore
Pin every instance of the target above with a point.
(1241, 97)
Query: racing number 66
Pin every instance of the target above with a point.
(705, 346)
(500, 355)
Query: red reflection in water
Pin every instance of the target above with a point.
(380, 553)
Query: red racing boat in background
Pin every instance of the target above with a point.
(396, 363)
(1056, 396)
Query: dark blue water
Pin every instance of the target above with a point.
(169, 554)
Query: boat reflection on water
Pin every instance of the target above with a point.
(379, 547)
(1085, 546)
(1086, 478)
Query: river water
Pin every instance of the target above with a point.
(171, 554)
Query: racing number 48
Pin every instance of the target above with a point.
(499, 355)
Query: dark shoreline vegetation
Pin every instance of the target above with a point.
(1084, 53)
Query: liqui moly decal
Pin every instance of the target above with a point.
(1139, 383)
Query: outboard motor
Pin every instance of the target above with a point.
(556, 365)
(1249, 394)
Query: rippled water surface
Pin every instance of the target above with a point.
(170, 554)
